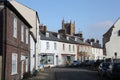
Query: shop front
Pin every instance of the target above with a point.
(46, 59)
(67, 58)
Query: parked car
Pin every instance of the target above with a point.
(89, 63)
(76, 63)
(102, 69)
(114, 70)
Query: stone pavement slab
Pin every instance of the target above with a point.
(46, 74)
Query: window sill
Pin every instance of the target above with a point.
(14, 73)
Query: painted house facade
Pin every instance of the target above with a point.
(48, 49)
(110, 41)
(67, 50)
(84, 52)
(15, 42)
(56, 49)
(96, 50)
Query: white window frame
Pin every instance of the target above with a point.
(14, 63)
(22, 33)
(47, 34)
(26, 61)
(63, 47)
(47, 45)
(69, 47)
(26, 36)
(73, 48)
(55, 46)
(15, 27)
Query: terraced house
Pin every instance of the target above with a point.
(14, 42)
(56, 48)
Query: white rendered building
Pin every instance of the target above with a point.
(111, 40)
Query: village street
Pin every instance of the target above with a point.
(76, 74)
(68, 74)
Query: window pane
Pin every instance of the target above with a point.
(55, 45)
(50, 59)
(47, 45)
(26, 36)
(22, 33)
(15, 27)
(14, 63)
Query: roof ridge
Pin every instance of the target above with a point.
(23, 5)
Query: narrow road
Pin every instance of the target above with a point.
(76, 74)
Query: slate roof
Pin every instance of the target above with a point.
(53, 36)
(96, 45)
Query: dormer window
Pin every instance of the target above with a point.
(67, 37)
(47, 34)
(75, 38)
(58, 36)
(119, 33)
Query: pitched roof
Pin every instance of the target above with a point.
(110, 30)
(28, 13)
(53, 36)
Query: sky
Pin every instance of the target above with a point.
(92, 17)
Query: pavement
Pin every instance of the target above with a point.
(46, 74)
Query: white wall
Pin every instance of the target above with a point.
(51, 49)
(59, 50)
(98, 53)
(32, 52)
(113, 45)
(38, 40)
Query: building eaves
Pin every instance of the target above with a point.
(51, 37)
(111, 27)
(33, 36)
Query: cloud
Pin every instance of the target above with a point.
(101, 26)
(98, 29)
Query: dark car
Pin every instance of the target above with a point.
(89, 63)
(102, 69)
(76, 63)
(114, 70)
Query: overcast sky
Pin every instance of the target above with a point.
(92, 17)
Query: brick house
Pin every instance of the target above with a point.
(14, 43)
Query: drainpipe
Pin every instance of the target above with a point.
(4, 42)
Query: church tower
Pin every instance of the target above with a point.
(68, 27)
